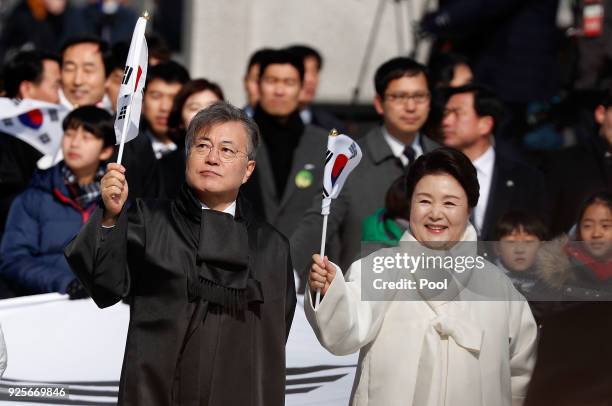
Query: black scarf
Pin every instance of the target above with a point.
(223, 275)
(281, 137)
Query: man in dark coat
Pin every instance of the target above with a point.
(471, 117)
(29, 75)
(402, 99)
(142, 155)
(291, 155)
(210, 285)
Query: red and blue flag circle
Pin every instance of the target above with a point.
(339, 165)
(32, 119)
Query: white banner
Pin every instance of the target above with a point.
(72, 343)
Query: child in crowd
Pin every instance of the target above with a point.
(518, 238)
(387, 225)
(579, 265)
(58, 201)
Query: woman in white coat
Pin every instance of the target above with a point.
(472, 343)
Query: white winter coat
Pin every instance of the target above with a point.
(467, 352)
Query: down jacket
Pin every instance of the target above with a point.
(41, 222)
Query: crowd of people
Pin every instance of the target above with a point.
(544, 219)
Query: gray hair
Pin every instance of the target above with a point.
(222, 112)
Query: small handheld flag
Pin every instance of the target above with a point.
(129, 100)
(34, 122)
(342, 156)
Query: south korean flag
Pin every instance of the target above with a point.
(129, 100)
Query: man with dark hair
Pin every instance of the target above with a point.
(470, 119)
(577, 172)
(290, 165)
(84, 73)
(210, 283)
(313, 63)
(402, 100)
(141, 155)
(251, 79)
(32, 75)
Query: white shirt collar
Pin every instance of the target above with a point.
(104, 104)
(159, 148)
(485, 162)
(484, 171)
(231, 209)
(397, 147)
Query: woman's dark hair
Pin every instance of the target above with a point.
(94, 120)
(515, 220)
(449, 161)
(602, 197)
(397, 202)
(175, 119)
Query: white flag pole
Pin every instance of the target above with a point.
(129, 106)
(322, 252)
(326, 204)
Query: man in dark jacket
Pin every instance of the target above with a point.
(52, 210)
(210, 284)
(29, 75)
(291, 155)
(142, 155)
(575, 173)
(471, 116)
(402, 100)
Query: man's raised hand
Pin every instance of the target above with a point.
(114, 190)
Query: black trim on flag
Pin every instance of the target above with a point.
(127, 72)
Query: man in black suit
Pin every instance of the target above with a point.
(291, 155)
(141, 155)
(470, 119)
(29, 75)
(402, 100)
(573, 174)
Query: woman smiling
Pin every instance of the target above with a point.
(471, 344)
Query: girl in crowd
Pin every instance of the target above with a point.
(195, 95)
(472, 343)
(574, 354)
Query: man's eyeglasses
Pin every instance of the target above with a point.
(225, 153)
(403, 98)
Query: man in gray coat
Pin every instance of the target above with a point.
(403, 101)
(291, 155)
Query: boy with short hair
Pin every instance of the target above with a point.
(58, 201)
(518, 238)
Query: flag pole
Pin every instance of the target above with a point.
(323, 239)
(326, 205)
(128, 112)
